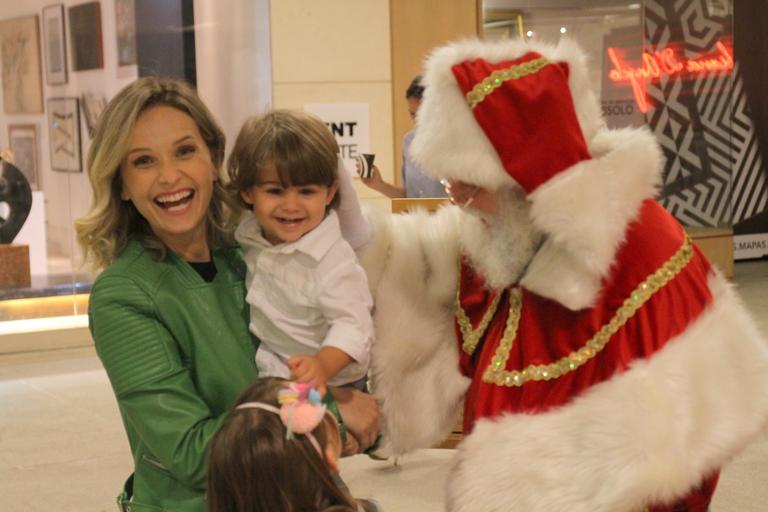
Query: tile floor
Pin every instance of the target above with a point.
(62, 446)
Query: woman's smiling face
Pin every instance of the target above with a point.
(168, 175)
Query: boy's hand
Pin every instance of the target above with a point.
(308, 370)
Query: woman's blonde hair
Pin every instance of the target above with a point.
(111, 222)
(299, 145)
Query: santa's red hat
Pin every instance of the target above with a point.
(499, 114)
(495, 111)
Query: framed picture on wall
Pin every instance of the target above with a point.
(125, 24)
(55, 45)
(64, 134)
(22, 77)
(93, 106)
(23, 143)
(85, 36)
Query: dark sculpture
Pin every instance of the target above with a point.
(16, 194)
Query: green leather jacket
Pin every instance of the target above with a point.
(178, 352)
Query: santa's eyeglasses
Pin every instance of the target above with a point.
(459, 193)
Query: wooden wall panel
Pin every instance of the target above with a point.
(416, 28)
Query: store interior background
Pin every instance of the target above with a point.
(250, 55)
(254, 54)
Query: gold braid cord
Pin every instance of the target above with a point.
(471, 337)
(495, 79)
(496, 374)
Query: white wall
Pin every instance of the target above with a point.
(67, 195)
(337, 51)
(256, 54)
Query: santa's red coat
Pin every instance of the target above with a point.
(550, 354)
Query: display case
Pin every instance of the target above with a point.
(41, 290)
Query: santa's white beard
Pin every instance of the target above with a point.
(500, 246)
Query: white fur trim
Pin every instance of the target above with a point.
(450, 144)
(585, 212)
(414, 358)
(373, 255)
(559, 275)
(648, 435)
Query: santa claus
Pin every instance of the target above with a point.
(602, 363)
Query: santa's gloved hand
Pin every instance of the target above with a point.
(354, 226)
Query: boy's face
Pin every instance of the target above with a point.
(287, 214)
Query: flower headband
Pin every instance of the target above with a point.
(301, 410)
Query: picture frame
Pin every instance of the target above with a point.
(22, 139)
(64, 134)
(125, 25)
(85, 36)
(55, 45)
(93, 105)
(21, 73)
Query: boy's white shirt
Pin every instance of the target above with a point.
(305, 295)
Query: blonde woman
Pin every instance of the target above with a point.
(168, 313)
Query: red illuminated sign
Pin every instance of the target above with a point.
(664, 63)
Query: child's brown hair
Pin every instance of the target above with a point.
(299, 145)
(253, 467)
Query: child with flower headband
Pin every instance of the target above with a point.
(278, 450)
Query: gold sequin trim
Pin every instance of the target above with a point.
(495, 79)
(496, 374)
(471, 337)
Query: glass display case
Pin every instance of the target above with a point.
(43, 286)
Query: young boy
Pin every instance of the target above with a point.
(309, 297)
